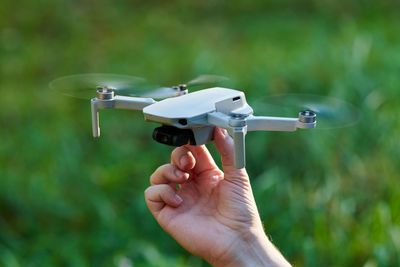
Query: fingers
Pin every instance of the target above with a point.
(157, 196)
(183, 158)
(161, 193)
(168, 173)
(193, 157)
(224, 144)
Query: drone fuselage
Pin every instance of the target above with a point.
(191, 111)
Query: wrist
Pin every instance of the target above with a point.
(253, 249)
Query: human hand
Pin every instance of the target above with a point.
(211, 213)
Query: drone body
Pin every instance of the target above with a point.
(190, 118)
(190, 111)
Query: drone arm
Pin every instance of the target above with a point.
(132, 103)
(219, 119)
(119, 102)
(261, 123)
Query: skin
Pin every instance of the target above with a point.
(213, 214)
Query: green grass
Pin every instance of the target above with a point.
(326, 197)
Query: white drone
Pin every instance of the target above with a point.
(190, 118)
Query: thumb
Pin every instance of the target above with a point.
(224, 144)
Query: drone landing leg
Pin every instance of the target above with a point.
(95, 119)
(237, 129)
(238, 134)
(106, 100)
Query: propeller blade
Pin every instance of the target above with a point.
(84, 86)
(163, 92)
(206, 79)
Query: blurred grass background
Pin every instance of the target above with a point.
(327, 198)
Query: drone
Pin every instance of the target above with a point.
(189, 118)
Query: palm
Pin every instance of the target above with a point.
(208, 212)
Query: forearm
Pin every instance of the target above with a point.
(254, 250)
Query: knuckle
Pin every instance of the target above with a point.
(167, 191)
(147, 192)
(158, 173)
(178, 152)
(162, 168)
(152, 176)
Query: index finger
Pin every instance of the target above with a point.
(203, 160)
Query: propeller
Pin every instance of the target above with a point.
(165, 92)
(84, 86)
(331, 112)
(206, 79)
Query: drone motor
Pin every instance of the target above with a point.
(307, 116)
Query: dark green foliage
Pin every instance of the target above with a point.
(326, 197)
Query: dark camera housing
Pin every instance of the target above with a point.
(173, 136)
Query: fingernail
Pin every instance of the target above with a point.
(179, 173)
(223, 131)
(184, 161)
(178, 199)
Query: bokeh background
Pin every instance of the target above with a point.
(326, 197)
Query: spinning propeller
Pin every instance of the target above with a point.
(84, 86)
